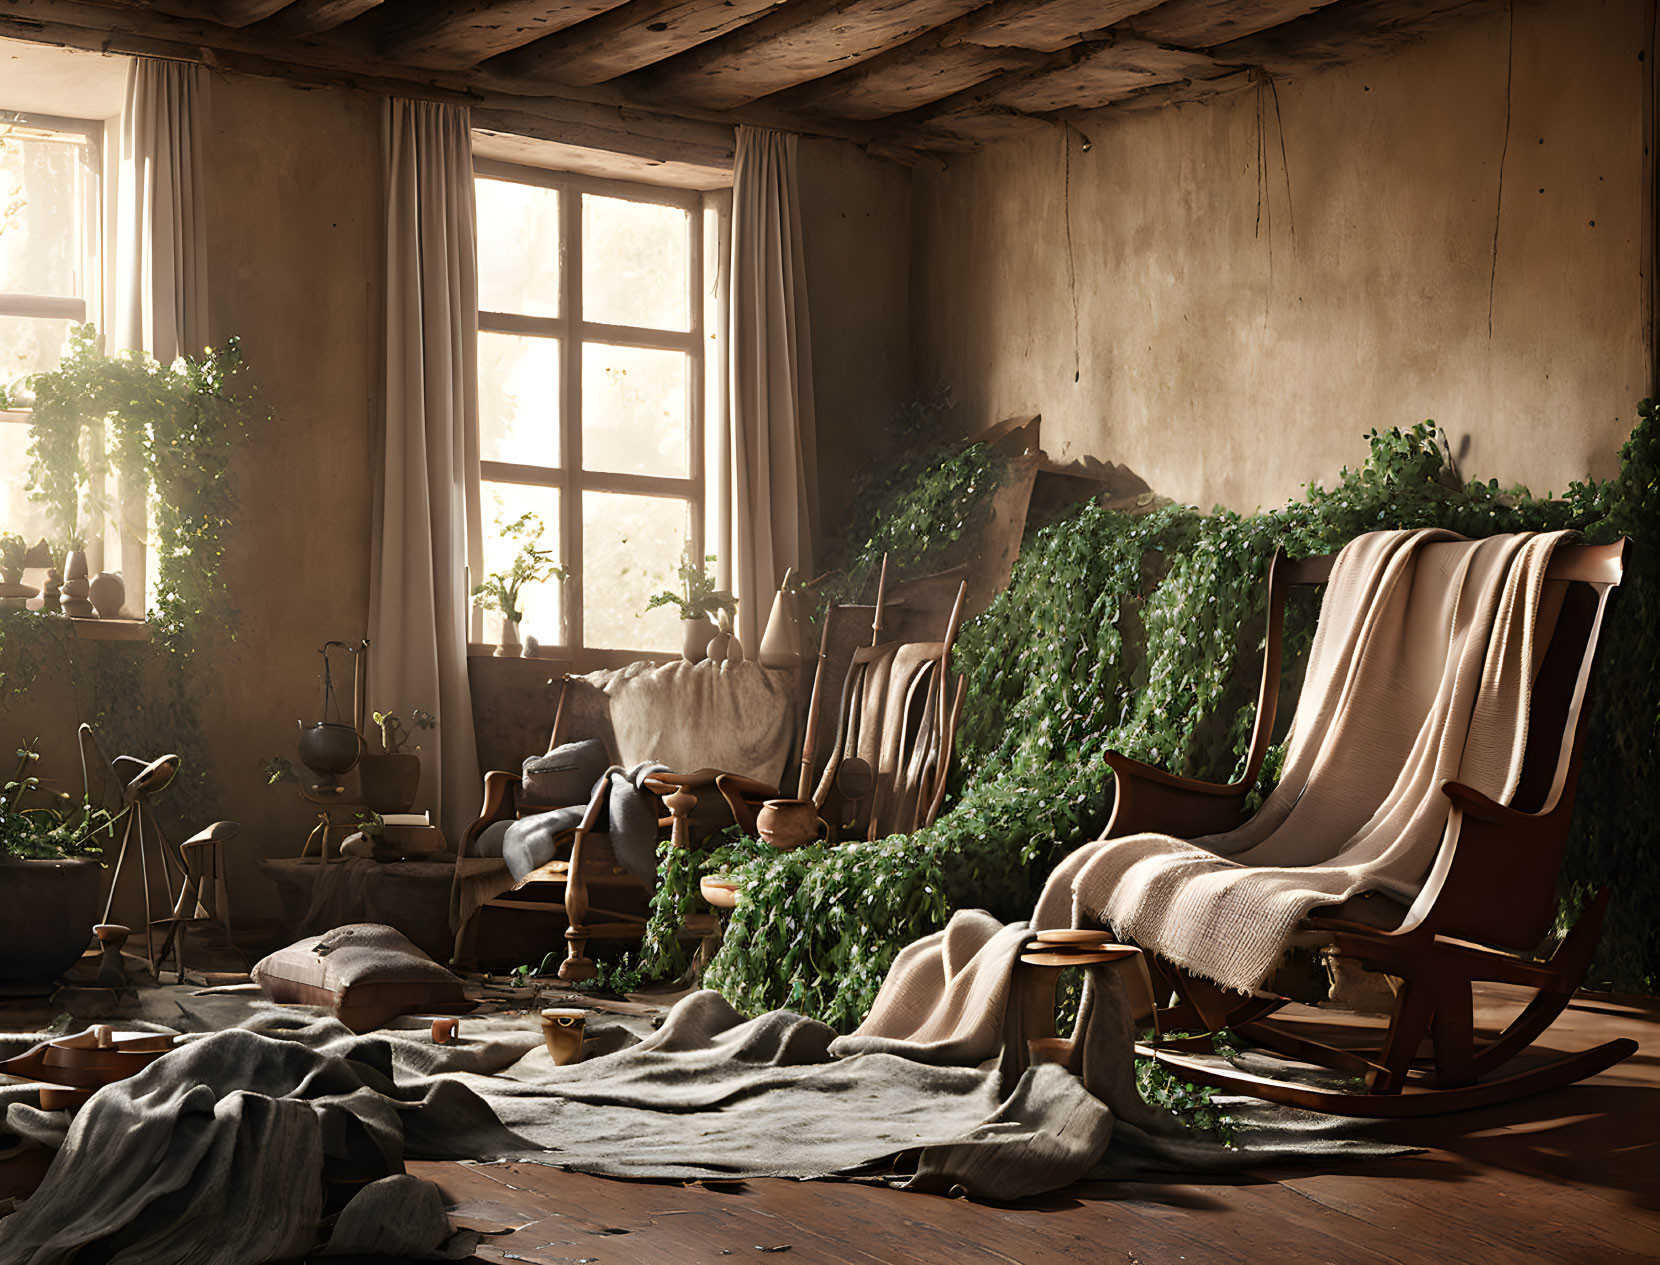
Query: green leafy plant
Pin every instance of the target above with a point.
(14, 553)
(1143, 633)
(531, 565)
(57, 828)
(698, 597)
(371, 825)
(169, 431)
(392, 732)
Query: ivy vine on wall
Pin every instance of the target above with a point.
(1143, 633)
(168, 432)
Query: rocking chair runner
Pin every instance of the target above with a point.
(1490, 897)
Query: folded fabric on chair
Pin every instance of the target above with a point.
(628, 816)
(1419, 674)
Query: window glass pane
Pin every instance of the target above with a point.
(635, 263)
(631, 549)
(17, 512)
(518, 399)
(43, 192)
(29, 344)
(518, 248)
(634, 411)
(502, 504)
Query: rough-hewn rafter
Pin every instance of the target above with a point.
(311, 17)
(460, 33)
(246, 12)
(1045, 26)
(805, 40)
(638, 34)
(1207, 23)
(906, 83)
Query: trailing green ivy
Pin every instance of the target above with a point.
(1143, 634)
(169, 430)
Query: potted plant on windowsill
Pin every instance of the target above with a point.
(697, 600)
(391, 779)
(531, 565)
(49, 859)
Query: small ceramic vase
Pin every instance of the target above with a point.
(76, 586)
(445, 1030)
(787, 823)
(562, 1033)
(509, 646)
(696, 634)
(108, 593)
(781, 642)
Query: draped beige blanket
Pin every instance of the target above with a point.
(1421, 673)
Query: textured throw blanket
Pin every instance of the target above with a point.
(736, 717)
(628, 816)
(1421, 673)
(256, 1143)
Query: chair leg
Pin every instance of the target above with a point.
(577, 965)
(1414, 1006)
(1452, 1030)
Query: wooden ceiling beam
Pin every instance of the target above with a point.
(1208, 23)
(629, 38)
(313, 17)
(111, 28)
(994, 39)
(246, 12)
(906, 83)
(454, 34)
(1044, 27)
(804, 40)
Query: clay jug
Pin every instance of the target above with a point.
(787, 823)
(562, 1032)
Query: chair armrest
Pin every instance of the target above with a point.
(1150, 799)
(501, 802)
(1483, 808)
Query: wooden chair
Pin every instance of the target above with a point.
(895, 722)
(204, 894)
(583, 884)
(1497, 873)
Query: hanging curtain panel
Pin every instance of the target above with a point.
(774, 481)
(426, 530)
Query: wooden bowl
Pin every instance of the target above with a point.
(722, 893)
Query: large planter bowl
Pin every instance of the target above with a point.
(47, 909)
(390, 782)
(329, 748)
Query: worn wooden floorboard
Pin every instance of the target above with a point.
(1572, 1176)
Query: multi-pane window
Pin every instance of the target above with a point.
(591, 394)
(49, 275)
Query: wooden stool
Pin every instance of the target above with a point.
(1029, 1023)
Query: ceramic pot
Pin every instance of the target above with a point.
(329, 748)
(390, 782)
(696, 634)
(108, 594)
(781, 642)
(787, 823)
(508, 645)
(76, 586)
(562, 1032)
(46, 913)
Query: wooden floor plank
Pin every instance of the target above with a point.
(1568, 1177)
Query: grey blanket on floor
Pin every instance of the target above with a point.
(213, 1153)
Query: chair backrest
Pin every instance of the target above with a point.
(1513, 906)
(896, 716)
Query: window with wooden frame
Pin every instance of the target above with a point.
(591, 396)
(50, 280)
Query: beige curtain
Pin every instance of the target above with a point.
(160, 304)
(774, 476)
(427, 513)
(159, 300)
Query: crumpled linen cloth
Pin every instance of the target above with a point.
(735, 717)
(628, 817)
(1421, 673)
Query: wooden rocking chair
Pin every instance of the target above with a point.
(1497, 874)
(896, 719)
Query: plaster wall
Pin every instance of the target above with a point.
(294, 266)
(855, 227)
(1225, 296)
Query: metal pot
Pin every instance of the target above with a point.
(329, 748)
